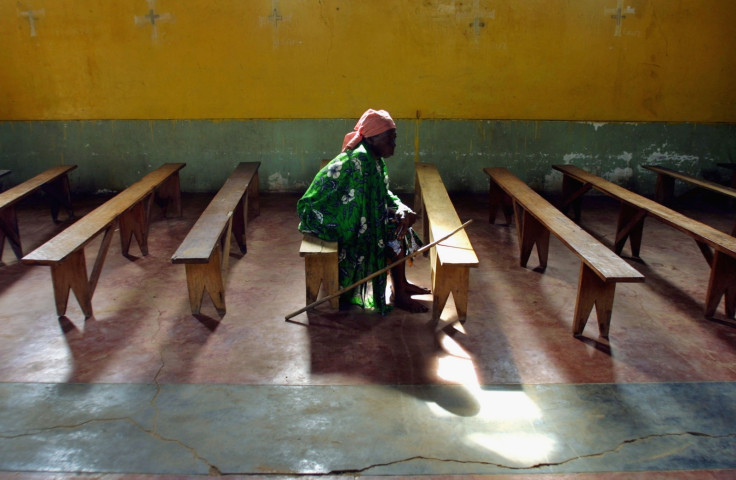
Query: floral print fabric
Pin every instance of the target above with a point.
(349, 202)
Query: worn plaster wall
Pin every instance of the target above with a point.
(119, 87)
(112, 154)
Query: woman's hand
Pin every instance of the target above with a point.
(406, 219)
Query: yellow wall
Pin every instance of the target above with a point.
(532, 59)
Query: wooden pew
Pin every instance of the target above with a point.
(718, 248)
(206, 248)
(452, 259)
(130, 210)
(54, 182)
(666, 185)
(536, 218)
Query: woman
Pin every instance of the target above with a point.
(349, 202)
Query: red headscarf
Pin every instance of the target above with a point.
(373, 122)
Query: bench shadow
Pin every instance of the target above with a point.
(208, 322)
(66, 325)
(126, 311)
(399, 350)
(10, 273)
(93, 343)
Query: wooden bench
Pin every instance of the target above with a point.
(666, 186)
(320, 264)
(666, 177)
(206, 248)
(718, 248)
(54, 182)
(452, 259)
(320, 268)
(536, 218)
(130, 210)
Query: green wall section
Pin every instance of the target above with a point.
(114, 154)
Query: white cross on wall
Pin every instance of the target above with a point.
(274, 19)
(618, 14)
(152, 18)
(32, 16)
(478, 16)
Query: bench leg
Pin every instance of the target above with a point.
(532, 232)
(321, 269)
(665, 189)
(59, 195)
(499, 199)
(71, 273)
(9, 230)
(240, 221)
(225, 237)
(135, 222)
(418, 205)
(722, 282)
(206, 276)
(630, 226)
(593, 291)
(419, 209)
(572, 192)
(168, 194)
(254, 202)
(447, 280)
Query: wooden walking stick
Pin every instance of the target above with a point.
(377, 273)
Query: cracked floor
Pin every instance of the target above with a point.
(146, 390)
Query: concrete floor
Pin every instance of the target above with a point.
(144, 389)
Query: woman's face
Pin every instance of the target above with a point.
(383, 144)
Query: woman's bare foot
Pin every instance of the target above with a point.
(409, 304)
(402, 299)
(413, 289)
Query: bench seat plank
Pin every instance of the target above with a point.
(206, 248)
(451, 259)
(600, 268)
(312, 245)
(634, 208)
(457, 249)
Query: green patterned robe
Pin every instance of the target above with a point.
(349, 202)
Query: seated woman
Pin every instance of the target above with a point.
(349, 202)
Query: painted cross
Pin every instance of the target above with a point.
(478, 16)
(618, 14)
(32, 16)
(275, 17)
(152, 18)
